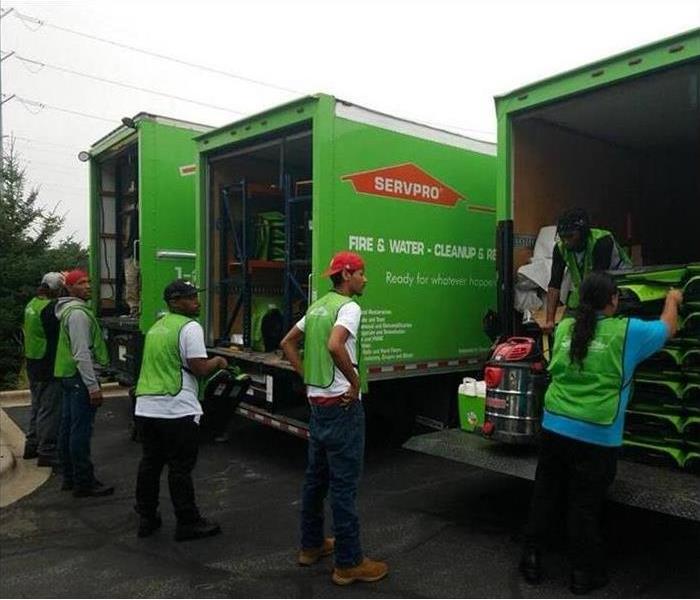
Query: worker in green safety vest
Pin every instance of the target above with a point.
(592, 367)
(581, 250)
(333, 376)
(80, 343)
(40, 340)
(168, 412)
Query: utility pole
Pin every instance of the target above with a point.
(2, 137)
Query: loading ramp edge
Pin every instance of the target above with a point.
(653, 488)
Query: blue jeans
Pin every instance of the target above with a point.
(336, 452)
(75, 434)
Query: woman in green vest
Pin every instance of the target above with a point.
(592, 367)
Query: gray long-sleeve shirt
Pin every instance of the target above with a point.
(80, 336)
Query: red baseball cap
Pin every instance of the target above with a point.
(73, 277)
(344, 260)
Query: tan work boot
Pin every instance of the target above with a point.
(310, 556)
(368, 570)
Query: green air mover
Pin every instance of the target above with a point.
(658, 454)
(270, 236)
(666, 275)
(221, 393)
(656, 393)
(642, 299)
(266, 324)
(691, 432)
(691, 398)
(690, 326)
(691, 290)
(654, 426)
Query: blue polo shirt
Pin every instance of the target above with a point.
(644, 338)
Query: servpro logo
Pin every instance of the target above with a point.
(407, 182)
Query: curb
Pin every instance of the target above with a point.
(15, 398)
(7, 458)
(18, 477)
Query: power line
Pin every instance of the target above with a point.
(43, 143)
(29, 104)
(41, 65)
(29, 19)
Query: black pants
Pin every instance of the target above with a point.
(578, 474)
(174, 442)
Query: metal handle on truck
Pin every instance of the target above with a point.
(308, 291)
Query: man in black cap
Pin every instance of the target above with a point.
(582, 249)
(169, 411)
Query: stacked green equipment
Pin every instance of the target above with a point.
(142, 180)
(613, 138)
(664, 410)
(282, 191)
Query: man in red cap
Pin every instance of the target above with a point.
(331, 328)
(80, 342)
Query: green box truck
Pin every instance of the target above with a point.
(620, 138)
(142, 234)
(282, 191)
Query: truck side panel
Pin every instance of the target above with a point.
(422, 213)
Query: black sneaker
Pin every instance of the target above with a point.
(194, 531)
(47, 461)
(67, 486)
(148, 525)
(531, 566)
(583, 582)
(29, 453)
(96, 490)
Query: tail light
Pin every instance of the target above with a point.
(493, 376)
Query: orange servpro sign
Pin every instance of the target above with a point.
(406, 182)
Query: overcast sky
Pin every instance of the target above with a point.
(432, 61)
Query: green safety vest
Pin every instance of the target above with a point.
(319, 368)
(161, 367)
(34, 334)
(592, 392)
(578, 275)
(65, 363)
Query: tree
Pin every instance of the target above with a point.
(27, 230)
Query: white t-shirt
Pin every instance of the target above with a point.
(185, 403)
(349, 317)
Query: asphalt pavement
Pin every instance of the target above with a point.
(446, 529)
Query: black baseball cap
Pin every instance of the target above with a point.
(573, 220)
(180, 288)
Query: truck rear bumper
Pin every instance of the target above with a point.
(653, 488)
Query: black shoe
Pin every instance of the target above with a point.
(96, 490)
(67, 486)
(531, 566)
(29, 453)
(149, 525)
(194, 531)
(583, 582)
(46, 461)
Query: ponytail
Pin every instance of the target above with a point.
(596, 292)
(584, 330)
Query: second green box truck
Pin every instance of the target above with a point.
(142, 233)
(282, 191)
